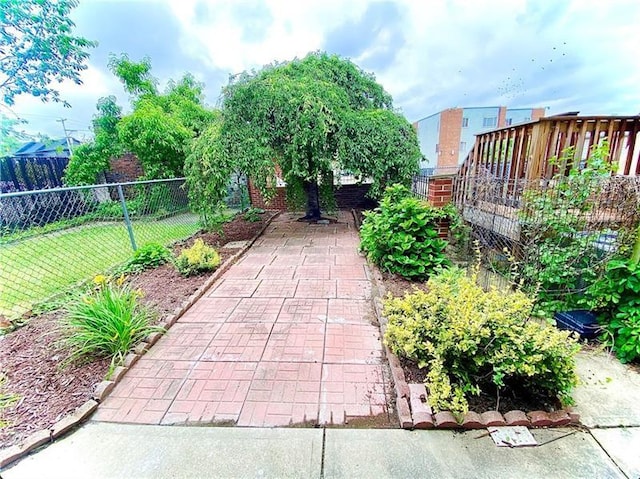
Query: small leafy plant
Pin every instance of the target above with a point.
(196, 259)
(252, 215)
(401, 235)
(108, 321)
(151, 255)
(469, 338)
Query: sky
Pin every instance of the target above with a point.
(430, 55)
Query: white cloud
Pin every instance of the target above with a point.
(296, 29)
(578, 54)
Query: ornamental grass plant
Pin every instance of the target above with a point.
(108, 321)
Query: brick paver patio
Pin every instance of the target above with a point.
(286, 336)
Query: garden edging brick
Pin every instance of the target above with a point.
(397, 373)
(45, 436)
(103, 388)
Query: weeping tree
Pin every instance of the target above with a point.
(307, 118)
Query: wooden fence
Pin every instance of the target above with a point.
(34, 173)
(518, 155)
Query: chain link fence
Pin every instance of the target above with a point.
(554, 235)
(50, 240)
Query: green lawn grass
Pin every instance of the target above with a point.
(36, 268)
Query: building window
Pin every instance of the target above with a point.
(508, 121)
(526, 118)
(463, 146)
(437, 148)
(489, 122)
(465, 122)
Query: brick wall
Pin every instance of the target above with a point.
(278, 202)
(347, 197)
(440, 193)
(502, 116)
(537, 113)
(449, 137)
(440, 190)
(125, 168)
(443, 229)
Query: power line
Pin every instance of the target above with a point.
(46, 117)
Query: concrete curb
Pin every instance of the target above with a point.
(45, 436)
(412, 398)
(403, 394)
(103, 388)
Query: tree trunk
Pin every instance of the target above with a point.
(313, 200)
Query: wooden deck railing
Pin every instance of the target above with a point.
(519, 155)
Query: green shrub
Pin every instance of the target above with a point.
(108, 209)
(469, 338)
(214, 222)
(401, 235)
(106, 322)
(459, 231)
(616, 295)
(252, 215)
(151, 255)
(197, 258)
(112, 209)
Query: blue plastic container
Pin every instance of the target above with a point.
(581, 321)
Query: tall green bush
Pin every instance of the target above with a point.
(401, 235)
(560, 259)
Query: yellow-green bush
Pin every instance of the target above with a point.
(196, 259)
(467, 337)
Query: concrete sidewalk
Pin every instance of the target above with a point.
(101, 450)
(286, 336)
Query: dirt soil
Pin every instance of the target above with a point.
(31, 357)
(399, 286)
(510, 397)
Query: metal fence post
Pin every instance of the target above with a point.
(127, 220)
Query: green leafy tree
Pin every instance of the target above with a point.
(161, 126)
(158, 131)
(309, 117)
(92, 158)
(10, 136)
(38, 47)
(135, 76)
(156, 137)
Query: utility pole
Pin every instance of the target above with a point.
(66, 134)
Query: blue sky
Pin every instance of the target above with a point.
(429, 54)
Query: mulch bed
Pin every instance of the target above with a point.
(31, 358)
(399, 286)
